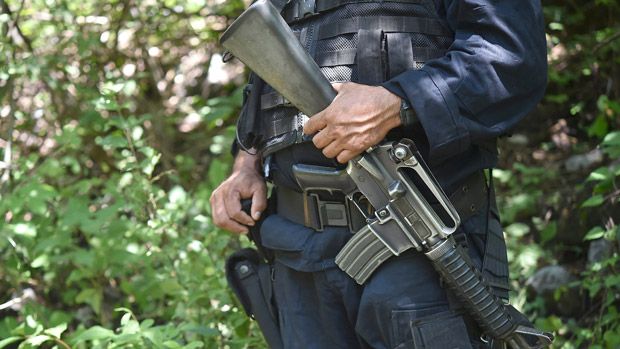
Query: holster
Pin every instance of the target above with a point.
(249, 276)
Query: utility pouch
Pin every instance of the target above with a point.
(249, 276)
(247, 135)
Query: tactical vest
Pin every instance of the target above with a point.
(363, 41)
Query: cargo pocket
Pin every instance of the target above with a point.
(444, 330)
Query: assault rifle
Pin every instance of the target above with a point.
(410, 208)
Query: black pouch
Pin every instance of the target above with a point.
(445, 330)
(249, 276)
(248, 136)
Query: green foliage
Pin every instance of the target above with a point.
(115, 123)
(556, 212)
(105, 232)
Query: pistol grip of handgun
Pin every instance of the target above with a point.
(246, 206)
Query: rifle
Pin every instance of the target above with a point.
(391, 176)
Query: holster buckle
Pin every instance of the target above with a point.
(320, 213)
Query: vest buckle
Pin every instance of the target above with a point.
(304, 8)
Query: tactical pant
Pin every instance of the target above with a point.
(403, 304)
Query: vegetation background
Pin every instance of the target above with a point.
(115, 123)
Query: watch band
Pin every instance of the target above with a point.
(408, 117)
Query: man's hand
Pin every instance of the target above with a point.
(245, 182)
(359, 117)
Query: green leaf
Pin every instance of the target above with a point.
(9, 340)
(92, 297)
(594, 233)
(172, 345)
(94, 333)
(518, 229)
(594, 201)
(56, 331)
(549, 232)
(38, 340)
(599, 127)
(600, 174)
(41, 261)
(612, 138)
(25, 229)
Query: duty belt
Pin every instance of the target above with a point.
(318, 209)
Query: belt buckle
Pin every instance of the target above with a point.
(304, 8)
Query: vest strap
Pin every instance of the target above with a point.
(272, 99)
(388, 24)
(400, 53)
(299, 9)
(396, 51)
(284, 125)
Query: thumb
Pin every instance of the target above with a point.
(259, 202)
(337, 86)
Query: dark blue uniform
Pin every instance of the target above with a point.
(493, 73)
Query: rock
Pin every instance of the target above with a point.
(583, 161)
(546, 281)
(599, 250)
(518, 139)
(549, 279)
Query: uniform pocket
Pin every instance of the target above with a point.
(403, 318)
(443, 330)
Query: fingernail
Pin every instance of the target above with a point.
(256, 215)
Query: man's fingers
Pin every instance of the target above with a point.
(233, 226)
(259, 202)
(221, 218)
(233, 208)
(322, 138)
(345, 156)
(315, 123)
(333, 149)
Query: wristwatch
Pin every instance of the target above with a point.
(408, 117)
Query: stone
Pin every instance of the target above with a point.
(599, 250)
(583, 161)
(549, 279)
(546, 281)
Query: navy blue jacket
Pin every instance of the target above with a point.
(493, 74)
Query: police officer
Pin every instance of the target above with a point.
(453, 75)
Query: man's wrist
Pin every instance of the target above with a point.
(246, 161)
